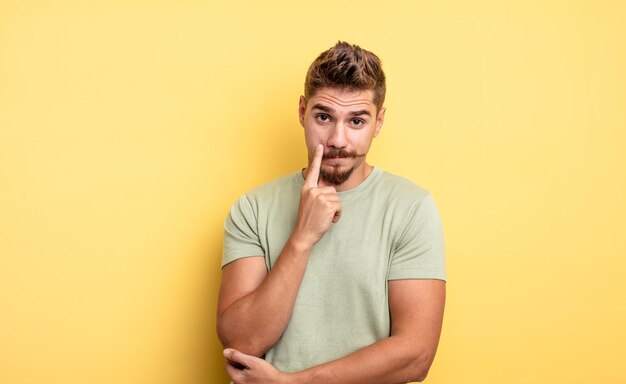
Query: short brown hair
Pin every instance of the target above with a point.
(347, 66)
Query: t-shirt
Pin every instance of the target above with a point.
(389, 229)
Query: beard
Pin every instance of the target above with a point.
(335, 176)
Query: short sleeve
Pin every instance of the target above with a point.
(241, 237)
(419, 252)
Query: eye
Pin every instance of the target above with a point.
(323, 117)
(357, 122)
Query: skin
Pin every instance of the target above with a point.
(254, 306)
(344, 121)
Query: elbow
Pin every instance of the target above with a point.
(420, 365)
(247, 345)
(247, 348)
(419, 375)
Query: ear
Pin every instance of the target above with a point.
(380, 119)
(301, 110)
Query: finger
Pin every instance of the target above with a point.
(337, 215)
(328, 190)
(236, 365)
(238, 357)
(332, 198)
(314, 169)
(234, 373)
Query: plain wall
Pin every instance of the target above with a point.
(128, 128)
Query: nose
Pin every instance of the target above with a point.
(337, 136)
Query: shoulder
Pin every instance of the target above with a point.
(400, 189)
(280, 188)
(402, 201)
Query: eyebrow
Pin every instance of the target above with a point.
(324, 108)
(327, 109)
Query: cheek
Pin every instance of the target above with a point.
(314, 136)
(311, 141)
(361, 139)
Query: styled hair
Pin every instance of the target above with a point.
(347, 66)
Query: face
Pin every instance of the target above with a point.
(345, 123)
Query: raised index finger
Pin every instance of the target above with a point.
(314, 169)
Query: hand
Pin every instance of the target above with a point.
(246, 369)
(319, 206)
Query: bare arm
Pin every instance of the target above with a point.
(254, 306)
(416, 308)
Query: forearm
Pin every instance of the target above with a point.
(255, 322)
(416, 310)
(391, 360)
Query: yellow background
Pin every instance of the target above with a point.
(127, 128)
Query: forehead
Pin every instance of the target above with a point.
(343, 100)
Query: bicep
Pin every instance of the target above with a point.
(239, 278)
(416, 307)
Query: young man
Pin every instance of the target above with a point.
(334, 274)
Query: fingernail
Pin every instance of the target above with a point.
(227, 352)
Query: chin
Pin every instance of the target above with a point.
(336, 176)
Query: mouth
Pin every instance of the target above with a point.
(339, 154)
(335, 159)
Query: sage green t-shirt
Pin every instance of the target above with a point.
(389, 230)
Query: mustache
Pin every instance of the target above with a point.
(333, 153)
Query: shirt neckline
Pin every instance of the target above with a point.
(350, 193)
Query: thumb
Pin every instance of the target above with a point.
(238, 357)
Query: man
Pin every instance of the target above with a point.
(334, 274)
